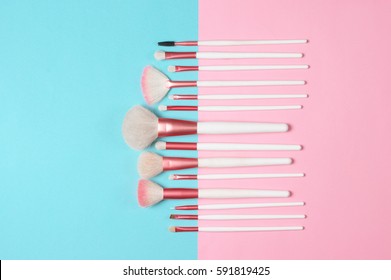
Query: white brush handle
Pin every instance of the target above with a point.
(239, 193)
(239, 162)
(239, 127)
(246, 147)
(236, 229)
(250, 67)
(247, 176)
(228, 55)
(247, 83)
(249, 217)
(247, 108)
(248, 42)
(248, 96)
(247, 205)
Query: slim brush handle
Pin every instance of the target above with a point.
(241, 229)
(228, 55)
(234, 96)
(247, 205)
(249, 42)
(246, 176)
(246, 147)
(249, 217)
(239, 127)
(228, 108)
(247, 83)
(240, 162)
(247, 67)
(238, 193)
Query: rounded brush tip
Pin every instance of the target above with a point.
(160, 55)
(162, 108)
(171, 68)
(160, 145)
(172, 229)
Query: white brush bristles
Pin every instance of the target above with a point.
(162, 108)
(154, 85)
(160, 55)
(149, 193)
(149, 165)
(160, 145)
(171, 68)
(139, 128)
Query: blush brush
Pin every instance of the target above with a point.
(150, 193)
(141, 127)
(151, 164)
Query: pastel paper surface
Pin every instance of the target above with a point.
(344, 127)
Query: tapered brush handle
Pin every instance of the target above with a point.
(234, 96)
(239, 127)
(246, 67)
(228, 108)
(240, 162)
(242, 229)
(229, 55)
(249, 42)
(247, 83)
(245, 176)
(239, 193)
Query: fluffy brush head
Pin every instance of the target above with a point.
(154, 85)
(149, 193)
(139, 128)
(149, 165)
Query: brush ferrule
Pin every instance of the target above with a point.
(174, 127)
(186, 68)
(187, 43)
(181, 108)
(174, 84)
(181, 146)
(176, 163)
(180, 55)
(184, 177)
(186, 229)
(184, 96)
(183, 217)
(187, 207)
(180, 193)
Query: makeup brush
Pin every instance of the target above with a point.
(155, 85)
(232, 229)
(151, 164)
(162, 55)
(233, 96)
(237, 206)
(234, 217)
(161, 145)
(141, 127)
(232, 176)
(150, 193)
(230, 43)
(227, 108)
(181, 68)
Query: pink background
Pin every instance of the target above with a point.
(344, 127)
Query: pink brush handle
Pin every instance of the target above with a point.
(176, 163)
(180, 55)
(180, 193)
(184, 96)
(183, 217)
(174, 127)
(179, 68)
(181, 146)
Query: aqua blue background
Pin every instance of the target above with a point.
(69, 71)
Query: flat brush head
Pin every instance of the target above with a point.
(154, 85)
(139, 128)
(149, 165)
(149, 193)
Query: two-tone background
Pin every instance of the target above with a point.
(70, 70)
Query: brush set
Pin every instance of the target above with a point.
(142, 127)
